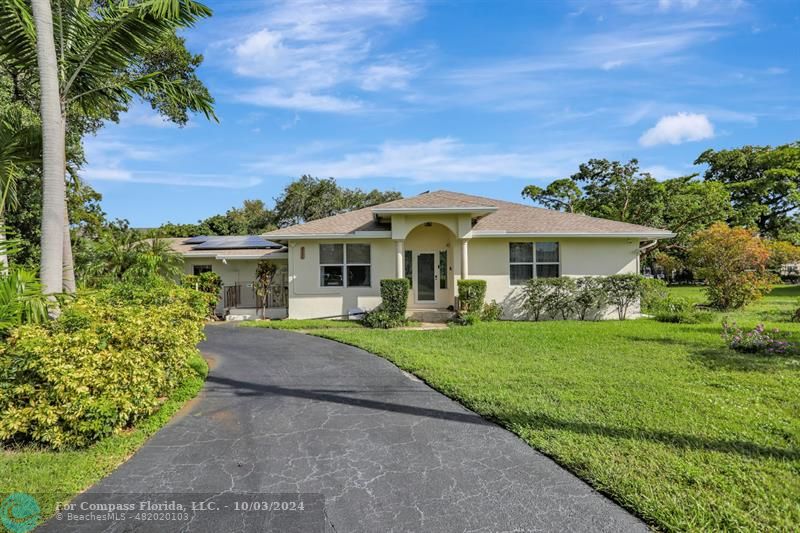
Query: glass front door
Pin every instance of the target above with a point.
(426, 277)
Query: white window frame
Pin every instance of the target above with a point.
(533, 264)
(343, 265)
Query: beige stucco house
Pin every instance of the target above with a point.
(334, 265)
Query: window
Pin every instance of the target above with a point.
(547, 260)
(527, 260)
(442, 269)
(408, 266)
(200, 269)
(344, 265)
(358, 265)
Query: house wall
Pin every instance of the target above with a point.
(235, 271)
(488, 260)
(307, 299)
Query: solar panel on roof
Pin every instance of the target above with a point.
(236, 242)
(196, 240)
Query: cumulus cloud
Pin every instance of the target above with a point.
(677, 129)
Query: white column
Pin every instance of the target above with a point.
(400, 265)
(464, 258)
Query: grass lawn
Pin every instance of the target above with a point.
(312, 324)
(661, 417)
(57, 476)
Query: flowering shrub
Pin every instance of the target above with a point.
(758, 340)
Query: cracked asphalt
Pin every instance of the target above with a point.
(286, 413)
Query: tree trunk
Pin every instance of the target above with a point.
(69, 268)
(3, 252)
(53, 185)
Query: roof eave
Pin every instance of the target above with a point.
(620, 235)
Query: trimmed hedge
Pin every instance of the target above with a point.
(392, 311)
(104, 364)
(583, 297)
(471, 295)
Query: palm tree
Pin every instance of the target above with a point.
(90, 72)
(20, 146)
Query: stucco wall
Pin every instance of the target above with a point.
(307, 299)
(488, 260)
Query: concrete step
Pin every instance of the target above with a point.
(430, 315)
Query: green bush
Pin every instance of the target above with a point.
(209, 283)
(653, 292)
(471, 294)
(590, 297)
(677, 310)
(492, 312)
(623, 290)
(394, 296)
(103, 365)
(560, 298)
(536, 291)
(392, 311)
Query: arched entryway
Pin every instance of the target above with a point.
(430, 256)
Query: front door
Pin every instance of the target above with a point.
(426, 277)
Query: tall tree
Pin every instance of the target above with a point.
(53, 146)
(310, 198)
(617, 191)
(764, 183)
(101, 46)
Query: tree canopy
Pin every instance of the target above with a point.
(764, 183)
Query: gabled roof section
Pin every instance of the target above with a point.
(495, 218)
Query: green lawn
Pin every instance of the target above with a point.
(312, 324)
(661, 417)
(54, 477)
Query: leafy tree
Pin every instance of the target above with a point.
(311, 198)
(96, 71)
(265, 273)
(733, 263)
(617, 191)
(782, 253)
(764, 183)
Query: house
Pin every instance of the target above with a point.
(335, 264)
(235, 260)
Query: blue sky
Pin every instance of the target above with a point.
(482, 97)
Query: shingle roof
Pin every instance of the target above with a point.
(509, 217)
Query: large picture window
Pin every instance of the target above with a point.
(527, 259)
(345, 265)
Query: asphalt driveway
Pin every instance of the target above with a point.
(285, 413)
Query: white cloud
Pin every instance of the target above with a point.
(434, 160)
(305, 48)
(611, 65)
(222, 181)
(677, 129)
(274, 97)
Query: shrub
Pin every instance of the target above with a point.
(471, 294)
(394, 296)
(100, 367)
(392, 311)
(536, 297)
(733, 263)
(590, 296)
(677, 310)
(758, 340)
(560, 298)
(492, 312)
(654, 291)
(209, 283)
(470, 318)
(622, 290)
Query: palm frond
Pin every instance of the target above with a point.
(18, 35)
